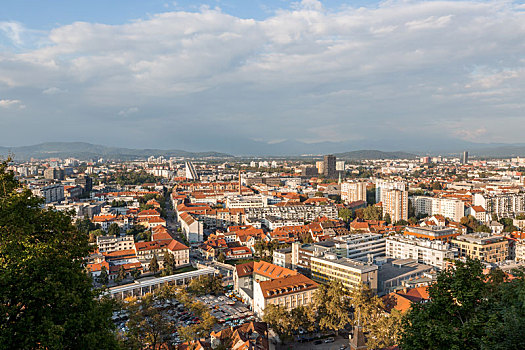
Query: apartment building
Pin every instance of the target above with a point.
(424, 251)
(382, 185)
(243, 202)
(395, 204)
(353, 192)
(502, 204)
(482, 246)
(519, 250)
(288, 292)
(298, 212)
(114, 243)
(351, 273)
(440, 233)
(361, 246)
(283, 257)
(453, 209)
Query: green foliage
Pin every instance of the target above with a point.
(473, 225)
(114, 229)
(387, 219)
(135, 178)
(47, 300)
(148, 326)
(85, 225)
(154, 264)
(206, 285)
(279, 320)
(221, 258)
(345, 214)
(468, 310)
(103, 278)
(372, 212)
(332, 306)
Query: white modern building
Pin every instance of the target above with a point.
(395, 204)
(425, 251)
(353, 191)
(362, 246)
(113, 243)
(454, 209)
(382, 185)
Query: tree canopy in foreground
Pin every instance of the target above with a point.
(46, 295)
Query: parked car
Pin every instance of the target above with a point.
(329, 340)
(317, 342)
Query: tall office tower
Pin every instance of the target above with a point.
(329, 166)
(464, 159)
(54, 173)
(85, 182)
(320, 167)
(395, 204)
(385, 184)
(353, 191)
(191, 173)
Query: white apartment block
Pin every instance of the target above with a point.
(361, 246)
(395, 204)
(425, 251)
(453, 209)
(353, 191)
(244, 202)
(50, 193)
(520, 250)
(382, 185)
(503, 205)
(112, 243)
(298, 212)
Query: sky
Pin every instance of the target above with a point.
(236, 75)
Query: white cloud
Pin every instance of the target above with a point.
(13, 31)
(128, 111)
(309, 71)
(53, 91)
(12, 104)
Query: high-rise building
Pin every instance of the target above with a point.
(464, 159)
(329, 166)
(191, 173)
(54, 173)
(320, 167)
(85, 182)
(353, 191)
(388, 185)
(395, 204)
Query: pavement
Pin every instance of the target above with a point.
(336, 345)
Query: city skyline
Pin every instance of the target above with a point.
(229, 76)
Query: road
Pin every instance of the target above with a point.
(339, 341)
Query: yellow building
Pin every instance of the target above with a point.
(350, 273)
(482, 246)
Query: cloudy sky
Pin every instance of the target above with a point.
(218, 75)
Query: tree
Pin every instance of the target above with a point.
(169, 263)
(114, 229)
(103, 278)
(148, 326)
(47, 299)
(279, 320)
(221, 258)
(121, 274)
(85, 225)
(154, 264)
(332, 306)
(302, 317)
(372, 212)
(345, 214)
(455, 316)
(206, 285)
(387, 219)
(385, 331)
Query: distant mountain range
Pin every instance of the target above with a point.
(374, 154)
(87, 151)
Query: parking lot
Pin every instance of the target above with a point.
(227, 310)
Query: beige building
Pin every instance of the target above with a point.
(424, 251)
(482, 246)
(350, 273)
(353, 191)
(288, 292)
(395, 204)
